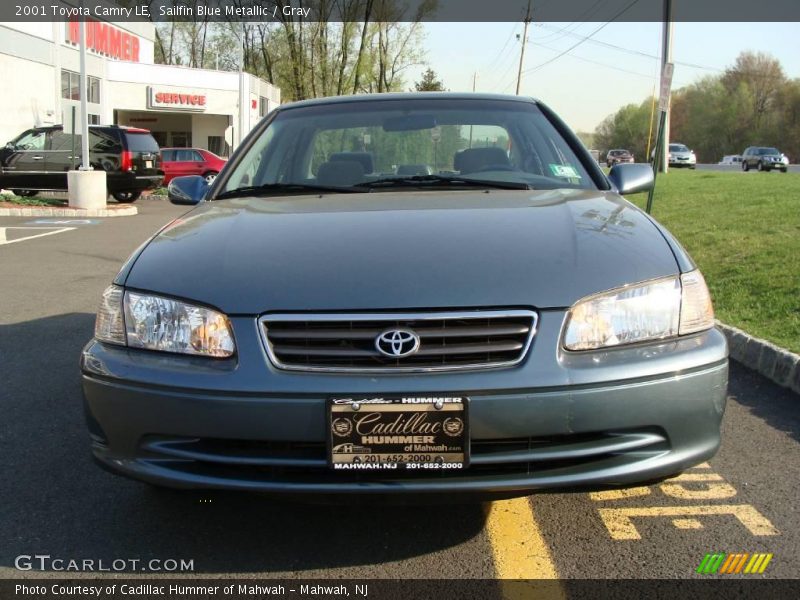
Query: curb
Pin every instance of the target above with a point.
(48, 211)
(769, 360)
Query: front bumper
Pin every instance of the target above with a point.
(677, 161)
(131, 182)
(616, 417)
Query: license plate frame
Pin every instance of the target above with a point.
(389, 433)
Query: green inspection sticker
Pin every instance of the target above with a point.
(564, 171)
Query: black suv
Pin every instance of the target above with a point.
(39, 159)
(763, 159)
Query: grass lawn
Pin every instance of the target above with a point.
(743, 231)
(32, 201)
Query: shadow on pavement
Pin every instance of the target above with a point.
(56, 501)
(777, 406)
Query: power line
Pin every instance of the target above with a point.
(633, 52)
(595, 62)
(497, 56)
(614, 18)
(580, 20)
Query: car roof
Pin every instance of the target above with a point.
(404, 96)
(123, 128)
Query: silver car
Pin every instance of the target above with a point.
(322, 322)
(681, 156)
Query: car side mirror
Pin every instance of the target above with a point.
(187, 190)
(631, 178)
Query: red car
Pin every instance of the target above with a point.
(177, 162)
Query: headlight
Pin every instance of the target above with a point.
(109, 326)
(158, 323)
(651, 311)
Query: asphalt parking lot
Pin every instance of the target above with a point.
(56, 501)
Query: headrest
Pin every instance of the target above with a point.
(365, 158)
(340, 173)
(474, 159)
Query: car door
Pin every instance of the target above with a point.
(63, 156)
(189, 162)
(23, 165)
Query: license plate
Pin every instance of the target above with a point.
(398, 432)
(148, 164)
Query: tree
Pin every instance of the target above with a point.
(751, 104)
(628, 128)
(429, 82)
(760, 76)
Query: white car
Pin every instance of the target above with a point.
(681, 156)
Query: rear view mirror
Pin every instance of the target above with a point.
(631, 178)
(187, 190)
(409, 123)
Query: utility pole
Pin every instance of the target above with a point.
(660, 156)
(474, 82)
(666, 57)
(85, 164)
(524, 42)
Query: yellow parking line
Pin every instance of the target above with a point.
(518, 546)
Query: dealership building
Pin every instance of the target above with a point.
(183, 107)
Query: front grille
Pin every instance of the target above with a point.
(447, 341)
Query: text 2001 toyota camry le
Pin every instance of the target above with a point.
(407, 293)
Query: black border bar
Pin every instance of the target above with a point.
(297, 11)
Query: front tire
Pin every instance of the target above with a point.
(760, 166)
(24, 193)
(126, 197)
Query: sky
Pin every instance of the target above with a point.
(619, 63)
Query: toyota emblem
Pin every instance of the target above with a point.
(397, 343)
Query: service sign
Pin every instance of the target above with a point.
(166, 98)
(399, 432)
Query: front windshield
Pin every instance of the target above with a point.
(764, 151)
(678, 148)
(358, 143)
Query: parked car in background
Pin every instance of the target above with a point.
(731, 159)
(763, 158)
(785, 159)
(179, 162)
(681, 156)
(321, 324)
(39, 159)
(617, 156)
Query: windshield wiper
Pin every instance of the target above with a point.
(284, 188)
(442, 180)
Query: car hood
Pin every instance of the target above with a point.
(681, 154)
(391, 250)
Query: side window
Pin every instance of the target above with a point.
(103, 143)
(168, 155)
(31, 140)
(197, 157)
(183, 155)
(61, 141)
